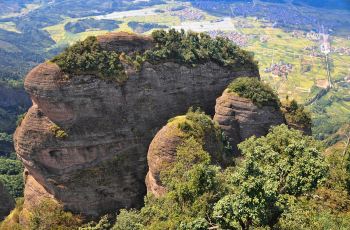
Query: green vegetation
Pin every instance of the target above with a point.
(12, 221)
(260, 93)
(20, 119)
(50, 215)
(58, 132)
(196, 48)
(88, 57)
(185, 48)
(296, 114)
(282, 167)
(196, 124)
(11, 176)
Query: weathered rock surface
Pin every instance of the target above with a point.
(240, 119)
(162, 150)
(101, 166)
(7, 203)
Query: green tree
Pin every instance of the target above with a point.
(284, 163)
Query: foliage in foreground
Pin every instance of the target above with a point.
(252, 88)
(282, 167)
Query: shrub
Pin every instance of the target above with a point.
(88, 57)
(185, 48)
(12, 221)
(58, 132)
(50, 215)
(295, 113)
(196, 48)
(196, 124)
(260, 93)
(20, 119)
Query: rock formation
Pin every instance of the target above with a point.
(7, 203)
(162, 150)
(240, 118)
(84, 141)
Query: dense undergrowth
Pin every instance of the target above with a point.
(177, 46)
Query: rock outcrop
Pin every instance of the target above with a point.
(99, 165)
(162, 150)
(240, 118)
(7, 203)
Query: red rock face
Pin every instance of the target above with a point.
(240, 119)
(162, 151)
(101, 165)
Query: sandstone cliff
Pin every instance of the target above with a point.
(84, 141)
(240, 118)
(7, 203)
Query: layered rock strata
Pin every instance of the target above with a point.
(240, 118)
(99, 164)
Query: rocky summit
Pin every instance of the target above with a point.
(84, 141)
(240, 118)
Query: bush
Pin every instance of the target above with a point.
(196, 48)
(50, 215)
(196, 124)
(260, 93)
(58, 132)
(88, 57)
(296, 114)
(184, 48)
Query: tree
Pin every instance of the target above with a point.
(281, 165)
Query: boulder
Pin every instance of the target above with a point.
(162, 150)
(240, 118)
